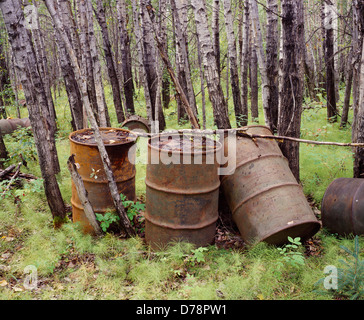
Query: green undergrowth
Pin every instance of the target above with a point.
(72, 265)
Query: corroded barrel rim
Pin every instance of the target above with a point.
(215, 150)
(131, 141)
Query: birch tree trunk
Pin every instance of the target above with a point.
(232, 52)
(358, 86)
(330, 63)
(216, 32)
(253, 77)
(26, 65)
(115, 86)
(103, 114)
(348, 86)
(179, 57)
(258, 43)
(73, 92)
(245, 64)
(291, 87)
(128, 84)
(272, 62)
(216, 94)
(163, 36)
(140, 50)
(149, 60)
(182, 17)
(202, 82)
(359, 152)
(85, 56)
(82, 82)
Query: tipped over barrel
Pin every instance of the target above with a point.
(118, 143)
(182, 187)
(266, 202)
(342, 209)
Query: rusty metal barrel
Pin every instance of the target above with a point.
(118, 143)
(342, 207)
(266, 202)
(182, 188)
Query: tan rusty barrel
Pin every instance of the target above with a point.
(118, 143)
(266, 202)
(342, 208)
(182, 188)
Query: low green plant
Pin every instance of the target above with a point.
(198, 255)
(132, 209)
(106, 219)
(351, 278)
(291, 253)
(24, 146)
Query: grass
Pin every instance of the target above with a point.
(71, 265)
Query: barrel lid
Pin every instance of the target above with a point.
(110, 136)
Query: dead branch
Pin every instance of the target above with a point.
(82, 195)
(12, 179)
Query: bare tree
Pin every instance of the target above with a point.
(329, 61)
(110, 63)
(291, 86)
(232, 53)
(128, 84)
(216, 94)
(245, 64)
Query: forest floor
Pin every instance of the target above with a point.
(70, 265)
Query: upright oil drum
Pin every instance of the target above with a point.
(266, 202)
(342, 208)
(182, 188)
(118, 143)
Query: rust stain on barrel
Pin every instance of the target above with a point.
(266, 201)
(90, 166)
(181, 199)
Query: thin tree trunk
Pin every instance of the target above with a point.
(330, 65)
(103, 114)
(202, 81)
(348, 86)
(140, 50)
(86, 58)
(216, 32)
(216, 95)
(164, 40)
(234, 76)
(73, 92)
(262, 63)
(272, 62)
(115, 86)
(245, 64)
(79, 117)
(254, 84)
(128, 84)
(181, 26)
(292, 76)
(25, 63)
(149, 60)
(358, 86)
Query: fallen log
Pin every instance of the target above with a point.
(82, 195)
(12, 179)
(8, 173)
